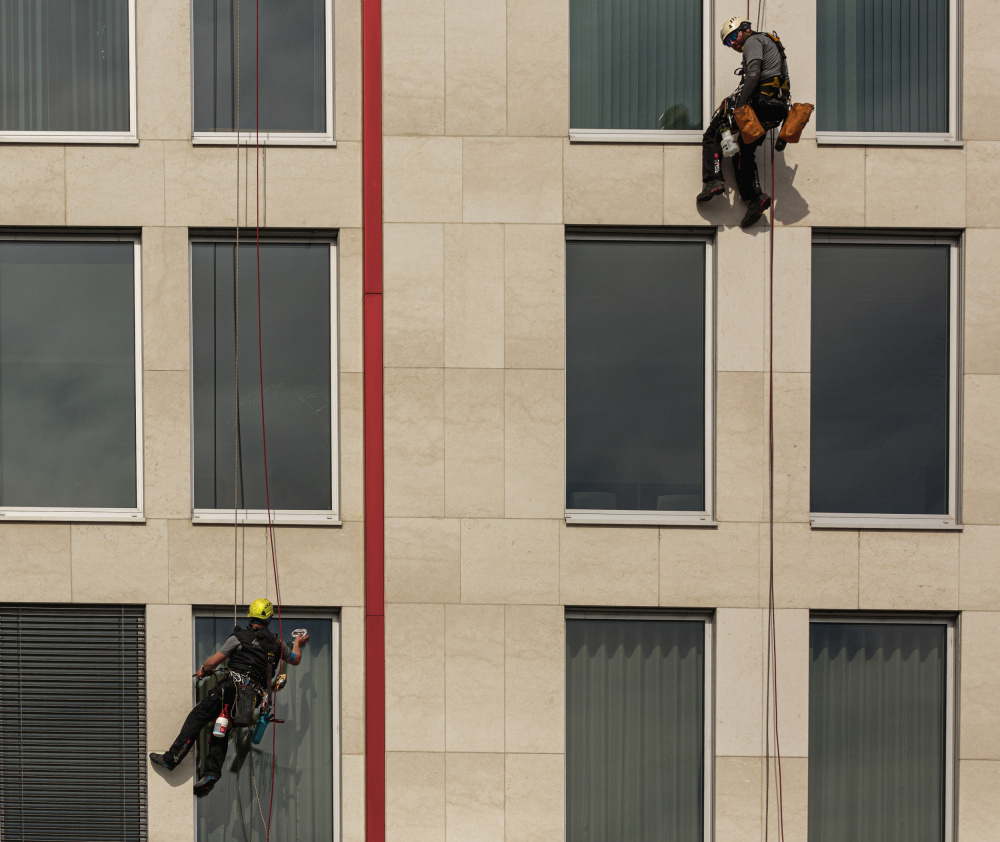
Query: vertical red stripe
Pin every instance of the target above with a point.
(371, 176)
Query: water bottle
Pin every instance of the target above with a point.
(729, 145)
(260, 727)
(222, 723)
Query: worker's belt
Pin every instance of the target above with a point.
(776, 87)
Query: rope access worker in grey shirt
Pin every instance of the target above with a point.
(254, 653)
(765, 87)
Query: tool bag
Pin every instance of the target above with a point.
(245, 703)
(750, 127)
(795, 122)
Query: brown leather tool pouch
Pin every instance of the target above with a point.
(750, 127)
(795, 122)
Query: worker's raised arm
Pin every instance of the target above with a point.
(211, 662)
(294, 657)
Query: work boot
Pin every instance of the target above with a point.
(204, 785)
(715, 187)
(165, 760)
(755, 209)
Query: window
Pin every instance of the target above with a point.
(887, 71)
(306, 802)
(67, 70)
(884, 382)
(70, 379)
(639, 367)
(298, 323)
(881, 730)
(291, 74)
(72, 723)
(639, 67)
(638, 747)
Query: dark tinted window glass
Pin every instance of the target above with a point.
(292, 65)
(67, 375)
(64, 65)
(880, 375)
(635, 375)
(295, 322)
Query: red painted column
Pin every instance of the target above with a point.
(371, 175)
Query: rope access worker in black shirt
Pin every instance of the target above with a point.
(253, 654)
(766, 88)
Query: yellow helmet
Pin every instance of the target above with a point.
(732, 25)
(261, 609)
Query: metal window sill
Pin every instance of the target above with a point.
(73, 515)
(265, 139)
(258, 517)
(72, 138)
(657, 136)
(865, 139)
(591, 517)
(885, 522)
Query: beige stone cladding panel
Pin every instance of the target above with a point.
(682, 182)
(321, 565)
(534, 803)
(537, 68)
(114, 562)
(415, 677)
(163, 71)
(534, 678)
(475, 38)
(168, 691)
(510, 561)
(741, 446)
(165, 300)
(33, 185)
(791, 823)
(813, 568)
(352, 469)
(347, 69)
(739, 786)
(200, 186)
(739, 677)
(167, 445)
(708, 568)
(313, 187)
(795, 23)
(978, 80)
(352, 680)
(423, 179)
(414, 797)
(413, 297)
(608, 565)
(792, 300)
(937, 198)
(909, 570)
(413, 67)
(473, 296)
(534, 445)
(981, 450)
(473, 442)
(791, 447)
(978, 806)
(534, 296)
(203, 559)
(984, 165)
(979, 639)
(350, 299)
(979, 568)
(474, 678)
(414, 442)
(791, 644)
(35, 562)
(819, 185)
(981, 308)
(352, 797)
(608, 184)
(423, 560)
(741, 302)
(512, 180)
(474, 797)
(115, 185)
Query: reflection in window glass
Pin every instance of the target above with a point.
(292, 65)
(64, 65)
(67, 375)
(307, 746)
(880, 378)
(635, 375)
(296, 327)
(636, 64)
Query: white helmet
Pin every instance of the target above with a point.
(732, 25)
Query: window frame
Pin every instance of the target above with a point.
(96, 514)
(129, 137)
(707, 619)
(948, 138)
(951, 623)
(952, 520)
(327, 137)
(336, 700)
(278, 517)
(665, 136)
(625, 517)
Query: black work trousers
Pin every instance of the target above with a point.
(770, 113)
(204, 713)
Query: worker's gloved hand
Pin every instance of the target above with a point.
(303, 638)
